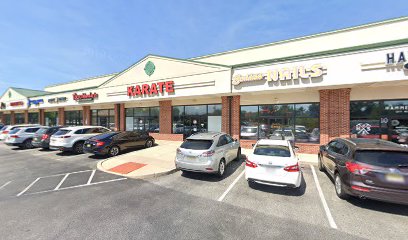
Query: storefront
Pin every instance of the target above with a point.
(308, 90)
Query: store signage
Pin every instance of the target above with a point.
(399, 58)
(57, 100)
(2, 106)
(17, 104)
(281, 74)
(35, 102)
(149, 68)
(84, 96)
(154, 88)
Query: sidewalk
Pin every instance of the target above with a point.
(157, 161)
(143, 163)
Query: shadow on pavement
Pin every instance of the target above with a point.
(280, 190)
(379, 206)
(231, 168)
(101, 157)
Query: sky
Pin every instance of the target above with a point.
(49, 42)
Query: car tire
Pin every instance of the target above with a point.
(28, 144)
(149, 143)
(238, 155)
(114, 151)
(320, 164)
(78, 148)
(221, 168)
(339, 187)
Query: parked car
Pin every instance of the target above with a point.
(21, 137)
(6, 129)
(207, 152)
(41, 138)
(250, 132)
(112, 143)
(367, 168)
(273, 162)
(73, 138)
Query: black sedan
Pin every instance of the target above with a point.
(367, 168)
(41, 138)
(112, 143)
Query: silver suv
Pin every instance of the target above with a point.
(21, 137)
(207, 152)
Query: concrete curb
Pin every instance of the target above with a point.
(146, 176)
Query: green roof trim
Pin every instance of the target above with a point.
(28, 92)
(399, 19)
(328, 52)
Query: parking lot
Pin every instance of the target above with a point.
(51, 195)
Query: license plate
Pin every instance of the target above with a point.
(88, 145)
(396, 178)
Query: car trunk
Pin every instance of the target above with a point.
(272, 165)
(384, 169)
(192, 150)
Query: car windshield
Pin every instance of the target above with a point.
(41, 131)
(383, 158)
(272, 150)
(62, 132)
(249, 129)
(196, 144)
(15, 130)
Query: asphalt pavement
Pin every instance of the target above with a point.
(46, 195)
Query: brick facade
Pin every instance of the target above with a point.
(169, 137)
(117, 116)
(41, 116)
(334, 114)
(231, 105)
(165, 119)
(3, 118)
(86, 115)
(61, 116)
(12, 118)
(122, 120)
(26, 116)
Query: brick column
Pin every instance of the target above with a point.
(119, 110)
(3, 118)
(231, 105)
(12, 118)
(165, 120)
(41, 116)
(26, 116)
(61, 116)
(122, 119)
(334, 114)
(86, 115)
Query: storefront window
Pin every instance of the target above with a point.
(144, 119)
(188, 120)
(33, 118)
(19, 118)
(104, 118)
(51, 118)
(7, 119)
(295, 122)
(73, 118)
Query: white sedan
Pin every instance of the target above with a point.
(273, 162)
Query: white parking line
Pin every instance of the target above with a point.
(325, 206)
(44, 153)
(4, 185)
(230, 187)
(25, 190)
(90, 178)
(62, 180)
(67, 157)
(67, 173)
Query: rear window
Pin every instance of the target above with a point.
(15, 130)
(273, 151)
(104, 135)
(4, 128)
(62, 132)
(382, 158)
(196, 144)
(42, 130)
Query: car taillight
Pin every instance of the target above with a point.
(45, 136)
(14, 136)
(357, 168)
(293, 168)
(208, 153)
(361, 189)
(99, 143)
(5, 132)
(65, 136)
(250, 164)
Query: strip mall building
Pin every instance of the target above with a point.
(350, 82)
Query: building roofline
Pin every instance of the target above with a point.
(392, 20)
(81, 80)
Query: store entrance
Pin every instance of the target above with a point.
(398, 130)
(273, 127)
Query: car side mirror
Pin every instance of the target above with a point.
(323, 148)
(296, 148)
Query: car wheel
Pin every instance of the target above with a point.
(28, 144)
(221, 168)
(338, 185)
(320, 164)
(238, 154)
(79, 147)
(149, 143)
(114, 151)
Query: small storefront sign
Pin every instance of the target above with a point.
(35, 102)
(84, 96)
(153, 89)
(281, 74)
(17, 104)
(57, 100)
(397, 59)
(2, 106)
